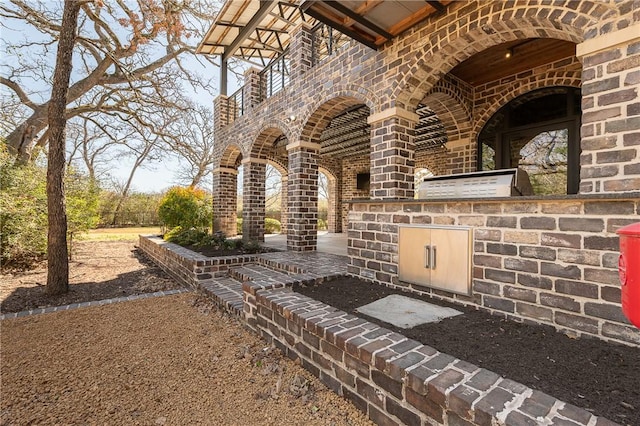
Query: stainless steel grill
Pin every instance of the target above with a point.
(486, 184)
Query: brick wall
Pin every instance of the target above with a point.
(551, 261)
(393, 379)
(186, 266)
(611, 115)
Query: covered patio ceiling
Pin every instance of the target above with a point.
(257, 31)
(373, 22)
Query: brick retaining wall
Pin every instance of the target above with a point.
(186, 266)
(395, 380)
(551, 261)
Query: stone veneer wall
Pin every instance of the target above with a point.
(551, 261)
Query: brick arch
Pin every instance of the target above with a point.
(231, 157)
(495, 23)
(454, 116)
(330, 174)
(323, 108)
(279, 165)
(266, 135)
(517, 89)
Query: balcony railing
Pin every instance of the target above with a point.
(325, 42)
(235, 105)
(275, 76)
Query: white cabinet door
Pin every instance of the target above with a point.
(436, 256)
(413, 245)
(450, 263)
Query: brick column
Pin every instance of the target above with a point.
(252, 90)
(284, 206)
(220, 112)
(253, 199)
(610, 158)
(392, 153)
(302, 232)
(225, 200)
(300, 50)
(334, 216)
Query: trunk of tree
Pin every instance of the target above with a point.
(57, 254)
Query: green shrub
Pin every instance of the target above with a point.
(188, 237)
(185, 207)
(23, 209)
(322, 225)
(271, 226)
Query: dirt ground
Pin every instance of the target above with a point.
(172, 360)
(99, 270)
(589, 373)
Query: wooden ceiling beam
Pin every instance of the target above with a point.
(265, 8)
(352, 15)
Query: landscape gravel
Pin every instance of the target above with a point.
(173, 360)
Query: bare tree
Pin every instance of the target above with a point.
(273, 188)
(129, 55)
(57, 258)
(191, 141)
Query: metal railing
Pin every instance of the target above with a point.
(235, 105)
(275, 76)
(325, 42)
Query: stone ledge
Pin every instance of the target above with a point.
(396, 380)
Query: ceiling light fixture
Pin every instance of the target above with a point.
(508, 54)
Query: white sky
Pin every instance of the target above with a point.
(152, 177)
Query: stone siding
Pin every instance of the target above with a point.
(551, 261)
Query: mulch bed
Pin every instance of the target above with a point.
(215, 251)
(601, 377)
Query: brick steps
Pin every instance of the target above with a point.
(226, 292)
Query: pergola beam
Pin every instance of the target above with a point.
(265, 8)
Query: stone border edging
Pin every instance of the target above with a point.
(103, 302)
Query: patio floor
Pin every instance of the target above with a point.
(327, 242)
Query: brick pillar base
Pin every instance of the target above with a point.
(225, 200)
(392, 154)
(253, 199)
(302, 232)
(284, 206)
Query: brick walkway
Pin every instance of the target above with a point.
(91, 304)
(273, 269)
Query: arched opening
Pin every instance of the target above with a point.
(227, 191)
(540, 133)
(264, 193)
(273, 199)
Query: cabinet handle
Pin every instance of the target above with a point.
(433, 257)
(427, 257)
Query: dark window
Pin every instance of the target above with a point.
(362, 181)
(540, 133)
